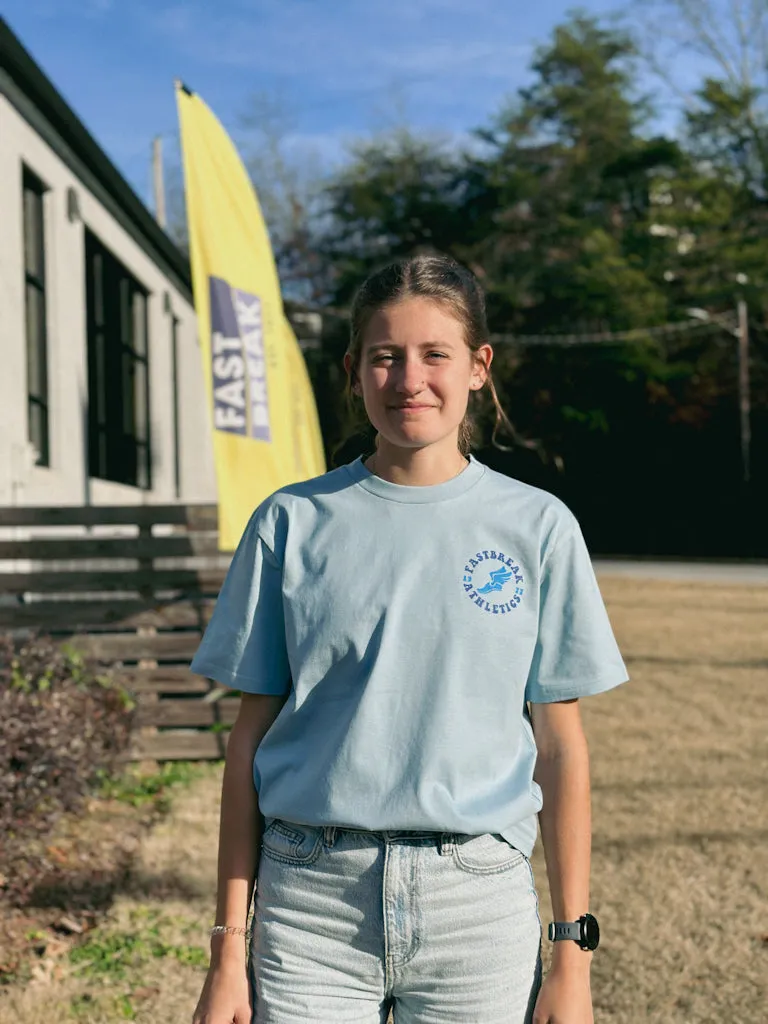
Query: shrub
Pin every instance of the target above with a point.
(62, 727)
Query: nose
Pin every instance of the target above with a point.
(410, 378)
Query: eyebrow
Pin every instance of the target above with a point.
(374, 346)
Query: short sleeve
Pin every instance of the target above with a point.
(576, 653)
(244, 645)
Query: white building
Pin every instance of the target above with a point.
(102, 398)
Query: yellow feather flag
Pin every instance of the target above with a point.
(266, 432)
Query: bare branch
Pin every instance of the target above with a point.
(707, 36)
(742, 36)
(732, 36)
(758, 32)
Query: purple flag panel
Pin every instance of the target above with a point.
(237, 358)
(248, 312)
(229, 406)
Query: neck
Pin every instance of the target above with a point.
(417, 467)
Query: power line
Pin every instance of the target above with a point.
(636, 334)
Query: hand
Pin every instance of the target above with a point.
(565, 998)
(226, 996)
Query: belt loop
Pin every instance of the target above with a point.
(329, 834)
(445, 843)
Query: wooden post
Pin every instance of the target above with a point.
(147, 592)
(157, 178)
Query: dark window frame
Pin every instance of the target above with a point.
(38, 401)
(117, 325)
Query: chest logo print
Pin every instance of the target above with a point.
(491, 573)
(498, 578)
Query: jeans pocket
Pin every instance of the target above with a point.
(487, 854)
(291, 843)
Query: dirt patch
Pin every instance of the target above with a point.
(680, 869)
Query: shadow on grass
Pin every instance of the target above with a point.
(94, 857)
(78, 891)
(92, 890)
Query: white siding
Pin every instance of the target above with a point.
(65, 482)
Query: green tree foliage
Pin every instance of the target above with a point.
(579, 219)
(399, 194)
(552, 214)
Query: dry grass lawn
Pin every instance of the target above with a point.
(680, 869)
(680, 862)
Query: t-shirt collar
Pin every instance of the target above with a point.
(458, 484)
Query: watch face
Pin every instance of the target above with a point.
(590, 932)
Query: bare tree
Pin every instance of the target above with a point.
(729, 35)
(176, 210)
(726, 107)
(288, 173)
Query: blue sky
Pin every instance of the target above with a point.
(338, 68)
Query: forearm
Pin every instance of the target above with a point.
(565, 820)
(240, 830)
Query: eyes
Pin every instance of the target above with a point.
(386, 358)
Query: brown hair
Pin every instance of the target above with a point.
(432, 276)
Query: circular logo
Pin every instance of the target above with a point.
(493, 581)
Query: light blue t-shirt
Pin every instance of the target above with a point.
(411, 625)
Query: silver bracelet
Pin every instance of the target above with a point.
(228, 929)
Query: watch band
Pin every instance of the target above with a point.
(565, 930)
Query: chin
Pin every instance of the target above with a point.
(411, 438)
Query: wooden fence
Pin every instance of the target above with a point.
(133, 587)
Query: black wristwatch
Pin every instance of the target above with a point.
(585, 932)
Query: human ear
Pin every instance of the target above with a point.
(479, 375)
(353, 378)
(481, 363)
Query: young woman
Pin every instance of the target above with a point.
(411, 633)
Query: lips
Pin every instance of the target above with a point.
(412, 407)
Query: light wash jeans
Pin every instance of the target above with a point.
(439, 927)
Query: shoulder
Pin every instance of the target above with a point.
(537, 512)
(533, 503)
(292, 503)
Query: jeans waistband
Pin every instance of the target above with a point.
(443, 840)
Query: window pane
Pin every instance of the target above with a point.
(36, 368)
(99, 398)
(97, 276)
(142, 469)
(126, 314)
(103, 449)
(118, 385)
(139, 323)
(34, 312)
(33, 233)
(38, 431)
(129, 411)
(140, 400)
